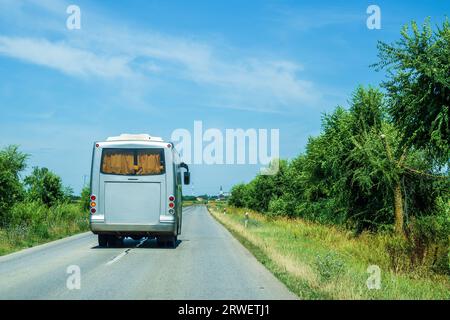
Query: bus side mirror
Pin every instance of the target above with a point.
(187, 174)
(187, 177)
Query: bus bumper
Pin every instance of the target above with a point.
(166, 228)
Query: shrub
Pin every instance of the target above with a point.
(27, 213)
(425, 246)
(398, 250)
(12, 162)
(429, 241)
(65, 212)
(85, 199)
(238, 195)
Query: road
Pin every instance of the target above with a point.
(208, 263)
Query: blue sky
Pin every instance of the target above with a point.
(155, 66)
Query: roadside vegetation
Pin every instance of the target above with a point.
(377, 175)
(318, 261)
(37, 208)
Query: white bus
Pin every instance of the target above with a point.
(136, 190)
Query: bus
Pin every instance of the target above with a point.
(136, 190)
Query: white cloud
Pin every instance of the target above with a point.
(229, 80)
(60, 56)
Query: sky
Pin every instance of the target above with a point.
(146, 66)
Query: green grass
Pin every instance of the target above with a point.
(31, 224)
(325, 262)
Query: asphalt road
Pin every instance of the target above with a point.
(208, 263)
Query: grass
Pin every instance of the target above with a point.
(32, 224)
(324, 262)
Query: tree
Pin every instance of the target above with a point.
(357, 170)
(85, 200)
(237, 195)
(45, 186)
(12, 162)
(418, 87)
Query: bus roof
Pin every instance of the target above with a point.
(135, 137)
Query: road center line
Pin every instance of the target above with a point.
(120, 256)
(140, 243)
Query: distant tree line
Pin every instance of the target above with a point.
(193, 198)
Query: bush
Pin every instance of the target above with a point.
(278, 207)
(283, 206)
(429, 241)
(65, 212)
(238, 194)
(12, 162)
(85, 199)
(27, 213)
(398, 250)
(425, 247)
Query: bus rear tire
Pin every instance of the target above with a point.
(114, 241)
(170, 242)
(174, 241)
(102, 240)
(160, 242)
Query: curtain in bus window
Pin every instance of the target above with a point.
(149, 163)
(118, 162)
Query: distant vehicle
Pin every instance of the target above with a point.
(136, 189)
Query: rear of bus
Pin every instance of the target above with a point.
(133, 190)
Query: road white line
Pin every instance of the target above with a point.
(123, 254)
(140, 243)
(117, 258)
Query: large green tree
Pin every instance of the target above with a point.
(418, 87)
(362, 169)
(45, 186)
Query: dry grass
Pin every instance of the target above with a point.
(326, 262)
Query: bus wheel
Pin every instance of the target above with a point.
(160, 242)
(173, 241)
(102, 240)
(115, 241)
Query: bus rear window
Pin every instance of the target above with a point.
(133, 162)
